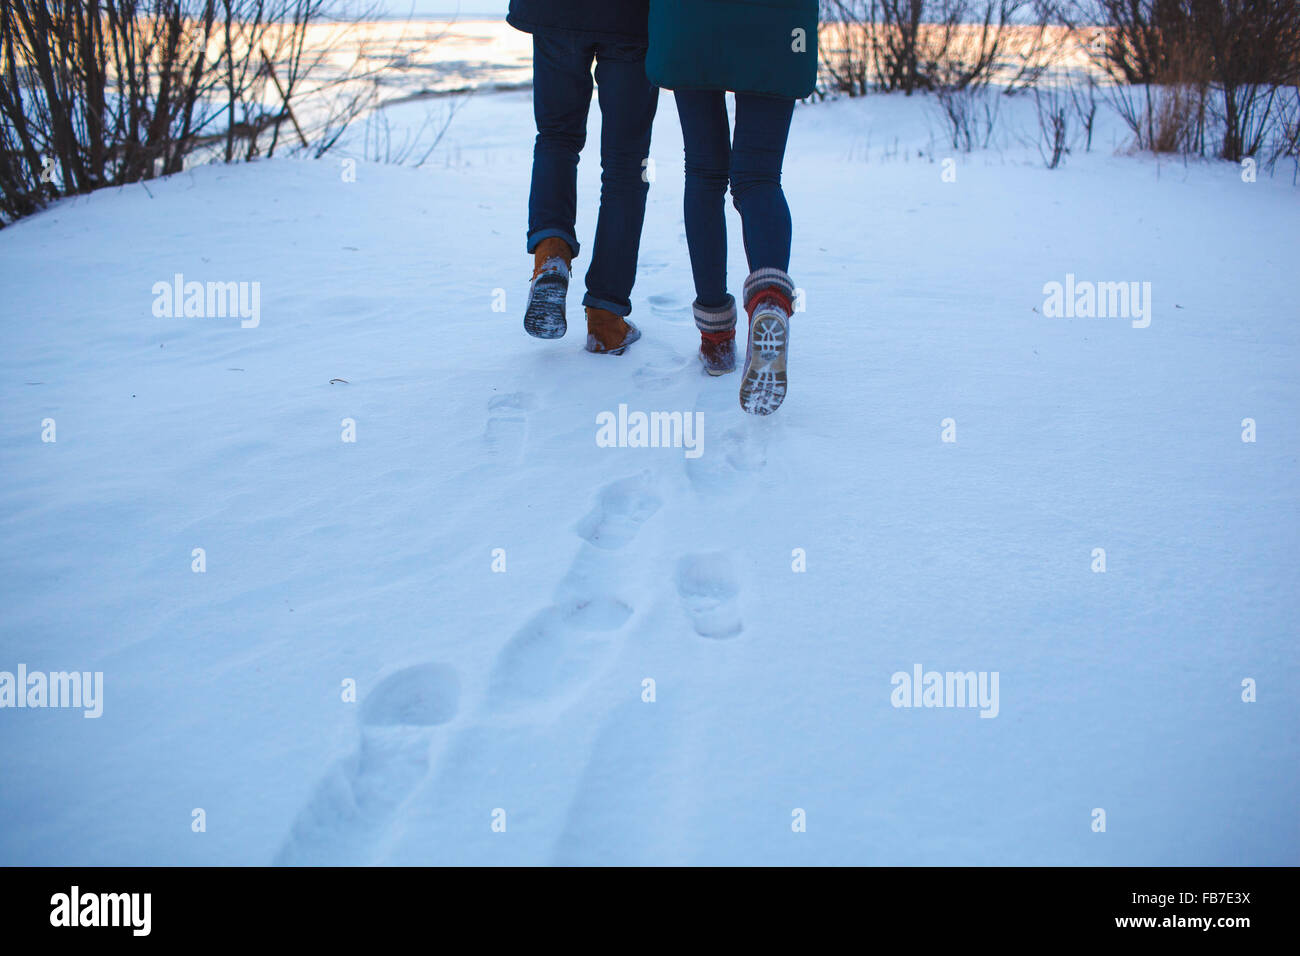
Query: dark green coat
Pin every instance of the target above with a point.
(749, 46)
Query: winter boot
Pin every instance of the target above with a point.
(717, 327)
(609, 334)
(769, 295)
(544, 317)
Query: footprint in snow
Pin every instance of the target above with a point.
(351, 805)
(561, 650)
(674, 308)
(732, 457)
(659, 373)
(708, 587)
(507, 424)
(422, 696)
(621, 508)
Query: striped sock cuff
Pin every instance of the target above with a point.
(763, 280)
(718, 318)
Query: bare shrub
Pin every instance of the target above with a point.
(1053, 105)
(97, 93)
(846, 48)
(379, 144)
(1285, 141)
(1197, 76)
(971, 114)
(1083, 100)
(927, 45)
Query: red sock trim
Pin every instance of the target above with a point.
(719, 338)
(773, 293)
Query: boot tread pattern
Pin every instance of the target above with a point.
(763, 386)
(544, 318)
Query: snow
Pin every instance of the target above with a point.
(486, 696)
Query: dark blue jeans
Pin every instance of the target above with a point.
(562, 85)
(751, 163)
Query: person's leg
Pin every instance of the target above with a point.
(758, 151)
(707, 139)
(561, 100)
(627, 110)
(762, 128)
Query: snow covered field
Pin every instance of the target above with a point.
(516, 697)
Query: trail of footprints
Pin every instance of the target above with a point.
(512, 753)
(564, 646)
(559, 652)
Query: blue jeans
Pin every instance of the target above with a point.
(751, 163)
(562, 85)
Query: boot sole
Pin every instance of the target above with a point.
(763, 386)
(544, 318)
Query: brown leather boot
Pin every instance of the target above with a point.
(609, 334)
(552, 248)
